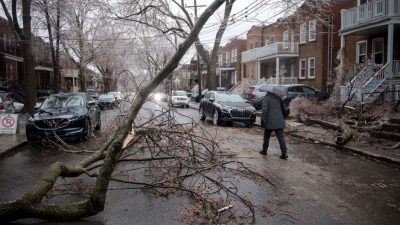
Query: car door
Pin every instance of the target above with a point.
(309, 92)
(93, 110)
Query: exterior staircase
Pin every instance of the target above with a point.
(370, 83)
(390, 130)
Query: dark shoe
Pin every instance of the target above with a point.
(284, 157)
(263, 152)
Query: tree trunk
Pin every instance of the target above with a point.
(212, 64)
(29, 68)
(56, 70)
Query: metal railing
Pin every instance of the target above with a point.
(376, 81)
(281, 80)
(270, 50)
(369, 12)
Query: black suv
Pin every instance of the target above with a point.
(255, 94)
(67, 115)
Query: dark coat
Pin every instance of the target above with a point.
(272, 112)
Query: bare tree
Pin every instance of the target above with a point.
(24, 36)
(31, 203)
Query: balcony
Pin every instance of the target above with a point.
(369, 13)
(270, 51)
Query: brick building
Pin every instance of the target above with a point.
(11, 61)
(370, 34)
(229, 71)
(300, 48)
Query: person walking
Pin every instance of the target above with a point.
(273, 118)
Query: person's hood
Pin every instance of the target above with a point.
(62, 113)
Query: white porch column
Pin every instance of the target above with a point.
(342, 46)
(258, 70)
(241, 71)
(277, 71)
(390, 42)
(292, 69)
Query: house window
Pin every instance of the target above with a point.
(302, 69)
(235, 51)
(234, 55)
(378, 50)
(312, 33)
(220, 59)
(361, 51)
(270, 40)
(227, 59)
(311, 68)
(303, 30)
(286, 39)
(233, 77)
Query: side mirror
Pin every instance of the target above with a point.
(211, 99)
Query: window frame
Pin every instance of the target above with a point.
(300, 68)
(285, 40)
(303, 33)
(311, 67)
(227, 59)
(313, 29)
(358, 50)
(373, 53)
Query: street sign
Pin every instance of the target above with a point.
(8, 123)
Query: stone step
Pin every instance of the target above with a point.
(394, 120)
(394, 127)
(395, 136)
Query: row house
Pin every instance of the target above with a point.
(369, 37)
(43, 66)
(229, 71)
(300, 48)
(11, 61)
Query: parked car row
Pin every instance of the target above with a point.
(255, 94)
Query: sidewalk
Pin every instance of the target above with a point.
(9, 142)
(360, 144)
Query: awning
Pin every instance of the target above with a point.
(44, 68)
(12, 57)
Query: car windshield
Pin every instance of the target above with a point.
(179, 93)
(56, 102)
(228, 97)
(106, 97)
(115, 93)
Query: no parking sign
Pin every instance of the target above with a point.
(8, 123)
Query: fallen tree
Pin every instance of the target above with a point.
(31, 204)
(345, 133)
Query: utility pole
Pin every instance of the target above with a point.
(195, 6)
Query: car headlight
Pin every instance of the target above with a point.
(226, 109)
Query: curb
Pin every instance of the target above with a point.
(10, 150)
(367, 154)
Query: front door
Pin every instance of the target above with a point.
(378, 50)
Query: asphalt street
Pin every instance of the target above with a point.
(316, 185)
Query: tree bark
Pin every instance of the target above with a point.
(29, 67)
(54, 53)
(212, 64)
(30, 204)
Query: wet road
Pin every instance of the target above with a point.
(315, 186)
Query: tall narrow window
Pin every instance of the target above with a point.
(235, 53)
(311, 68)
(312, 30)
(303, 30)
(302, 69)
(361, 51)
(220, 59)
(227, 59)
(286, 39)
(377, 50)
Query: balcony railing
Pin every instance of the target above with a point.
(270, 51)
(369, 12)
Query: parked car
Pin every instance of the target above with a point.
(117, 95)
(6, 104)
(179, 98)
(255, 94)
(222, 89)
(107, 101)
(67, 115)
(93, 94)
(195, 96)
(223, 106)
(40, 101)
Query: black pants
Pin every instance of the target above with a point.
(279, 135)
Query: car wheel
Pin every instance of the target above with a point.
(87, 130)
(216, 120)
(98, 127)
(202, 116)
